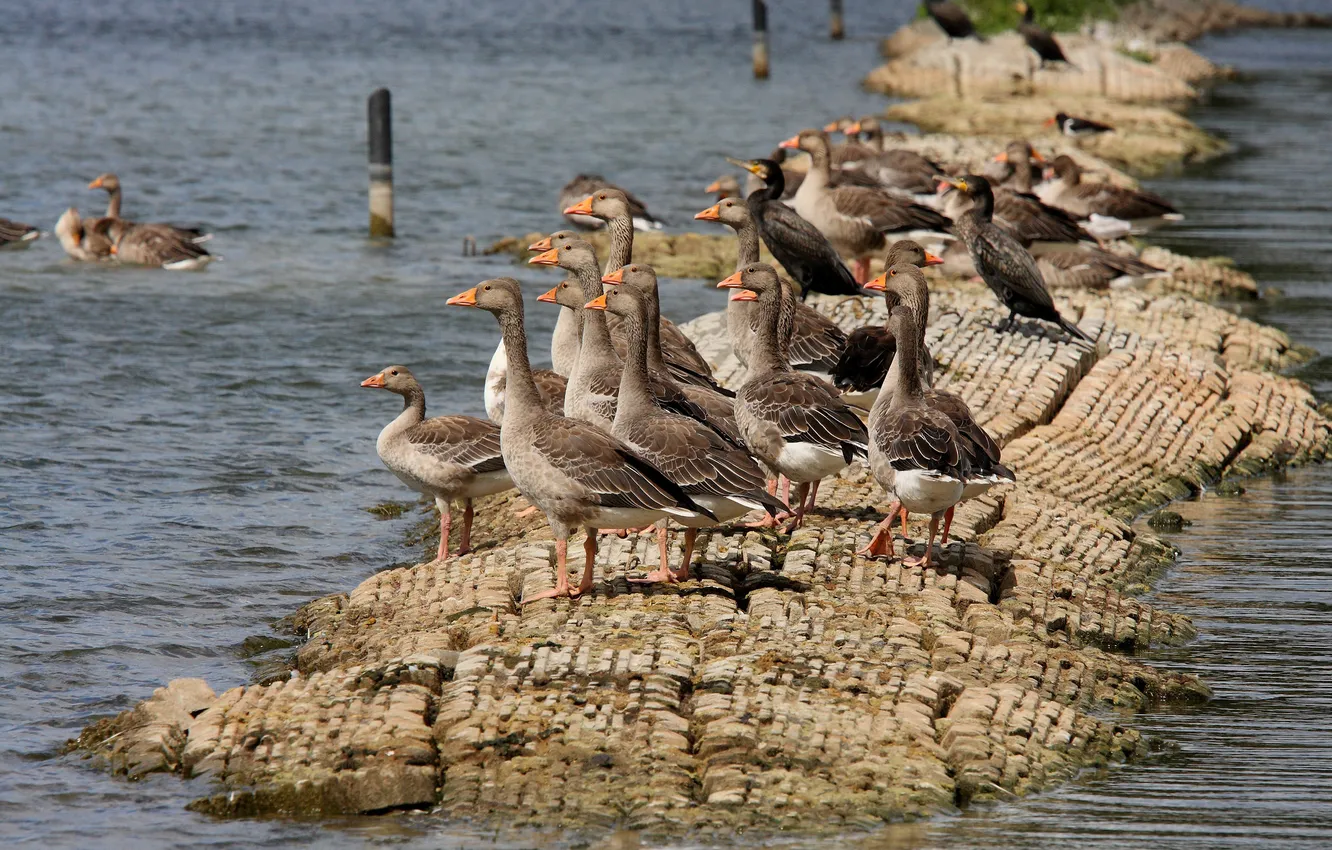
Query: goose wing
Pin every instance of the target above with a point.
(695, 457)
(816, 341)
(920, 438)
(464, 440)
(155, 245)
(806, 410)
(611, 472)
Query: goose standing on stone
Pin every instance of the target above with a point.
(444, 457)
(904, 285)
(857, 221)
(1143, 210)
(916, 454)
(864, 363)
(14, 234)
(613, 207)
(815, 341)
(586, 184)
(575, 473)
(1037, 38)
(1074, 127)
(568, 333)
(1006, 267)
(715, 473)
(951, 19)
(793, 422)
(794, 242)
(78, 241)
(896, 169)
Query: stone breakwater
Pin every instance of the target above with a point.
(795, 686)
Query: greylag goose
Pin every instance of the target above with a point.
(613, 207)
(14, 234)
(851, 151)
(595, 381)
(951, 19)
(568, 331)
(916, 454)
(815, 340)
(586, 184)
(869, 351)
(895, 169)
(857, 221)
(795, 243)
(904, 284)
(110, 183)
(726, 186)
(1037, 38)
(1072, 126)
(1142, 210)
(444, 457)
(80, 243)
(1018, 166)
(575, 473)
(718, 405)
(715, 473)
(1006, 267)
(154, 245)
(1083, 267)
(793, 422)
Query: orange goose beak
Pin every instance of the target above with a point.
(793, 142)
(96, 184)
(880, 283)
(540, 245)
(583, 207)
(376, 380)
(853, 129)
(613, 278)
(712, 213)
(831, 127)
(714, 186)
(546, 258)
(1002, 156)
(548, 297)
(462, 299)
(744, 295)
(598, 303)
(931, 260)
(115, 249)
(732, 282)
(1036, 155)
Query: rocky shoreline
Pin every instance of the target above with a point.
(796, 687)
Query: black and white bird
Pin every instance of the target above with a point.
(1071, 125)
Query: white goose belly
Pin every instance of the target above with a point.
(725, 507)
(924, 491)
(805, 462)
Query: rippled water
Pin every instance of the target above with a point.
(186, 458)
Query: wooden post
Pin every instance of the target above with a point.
(760, 40)
(381, 164)
(835, 26)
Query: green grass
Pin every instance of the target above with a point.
(995, 16)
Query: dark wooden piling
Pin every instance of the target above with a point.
(760, 40)
(381, 164)
(836, 26)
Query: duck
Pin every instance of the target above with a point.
(951, 19)
(898, 170)
(793, 422)
(110, 183)
(916, 453)
(816, 342)
(578, 475)
(857, 221)
(1037, 38)
(904, 284)
(586, 184)
(1074, 127)
(718, 474)
(1006, 267)
(16, 234)
(80, 243)
(613, 207)
(860, 371)
(1143, 210)
(444, 457)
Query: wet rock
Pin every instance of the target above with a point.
(1167, 521)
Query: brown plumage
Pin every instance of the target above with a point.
(1068, 192)
(16, 233)
(585, 184)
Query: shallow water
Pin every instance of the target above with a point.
(186, 458)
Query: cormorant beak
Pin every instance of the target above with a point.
(1002, 156)
(747, 164)
(931, 260)
(548, 297)
(613, 278)
(712, 213)
(377, 380)
(793, 142)
(540, 245)
(880, 283)
(744, 295)
(598, 303)
(546, 258)
(732, 282)
(96, 184)
(583, 207)
(462, 299)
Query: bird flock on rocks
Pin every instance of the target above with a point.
(630, 429)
